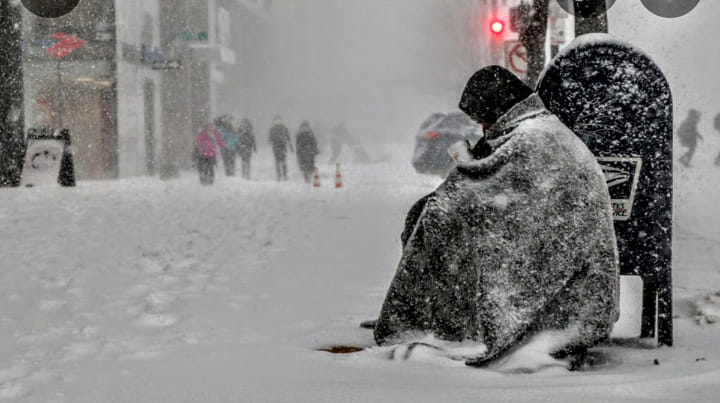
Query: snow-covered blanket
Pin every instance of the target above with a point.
(509, 245)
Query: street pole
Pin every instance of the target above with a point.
(496, 46)
(12, 121)
(590, 17)
(533, 38)
(59, 103)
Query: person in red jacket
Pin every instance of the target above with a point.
(207, 142)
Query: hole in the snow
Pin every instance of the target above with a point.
(341, 349)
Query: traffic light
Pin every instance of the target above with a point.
(497, 26)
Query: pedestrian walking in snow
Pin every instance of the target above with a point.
(280, 141)
(230, 137)
(306, 148)
(245, 146)
(689, 135)
(518, 242)
(207, 142)
(339, 138)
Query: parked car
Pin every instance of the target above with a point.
(437, 133)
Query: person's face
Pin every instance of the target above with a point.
(466, 105)
(485, 125)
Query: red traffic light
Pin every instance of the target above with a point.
(497, 27)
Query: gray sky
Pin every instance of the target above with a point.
(366, 62)
(379, 64)
(686, 48)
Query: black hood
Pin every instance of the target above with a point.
(491, 92)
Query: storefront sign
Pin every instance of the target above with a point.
(64, 45)
(149, 53)
(42, 163)
(191, 36)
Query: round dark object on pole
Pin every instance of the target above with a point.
(670, 8)
(586, 8)
(50, 8)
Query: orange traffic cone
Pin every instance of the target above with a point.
(338, 177)
(316, 179)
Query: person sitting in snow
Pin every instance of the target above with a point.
(517, 244)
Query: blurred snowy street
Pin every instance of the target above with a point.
(148, 291)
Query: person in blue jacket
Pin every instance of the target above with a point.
(231, 138)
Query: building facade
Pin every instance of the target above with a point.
(146, 76)
(74, 84)
(138, 85)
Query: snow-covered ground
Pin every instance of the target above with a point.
(147, 291)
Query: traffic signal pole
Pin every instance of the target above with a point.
(12, 121)
(533, 38)
(594, 20)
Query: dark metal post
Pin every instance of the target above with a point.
(12, 121)
(596, 20)
(533, 38)
(59, 101)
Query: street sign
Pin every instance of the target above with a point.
(557, 30)
(557, 18)
(64, 45)
(149, 53)
(191, 36)
(172, 64)
(516, 58)
(42, 163)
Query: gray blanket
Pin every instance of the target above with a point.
(517, 242)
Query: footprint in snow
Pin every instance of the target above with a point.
(153, 266)
(50, 305)
(76, 351)
(140, 355)
(11, 390)
(14, 373)
(158, 300)
(158, 320)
